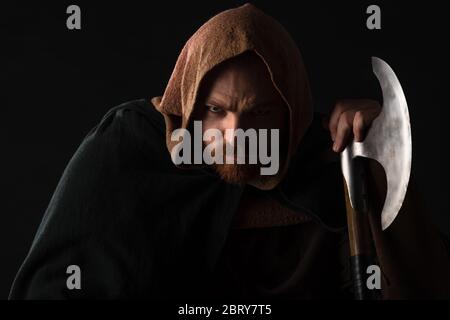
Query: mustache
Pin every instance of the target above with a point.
(237, 151)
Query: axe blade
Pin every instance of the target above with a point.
(388, 141)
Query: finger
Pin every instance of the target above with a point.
(359, 126)
(343, 133)
(362, 121)
(338, 109)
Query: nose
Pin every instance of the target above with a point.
(233, 122)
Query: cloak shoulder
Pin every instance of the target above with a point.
(122, 213)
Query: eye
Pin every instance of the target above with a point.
(214, 109)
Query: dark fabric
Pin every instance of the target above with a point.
(135, 224)
(138, 227)
(301, 261)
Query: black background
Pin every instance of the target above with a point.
(57, 83)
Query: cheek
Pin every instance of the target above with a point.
(209, 123)
(206, 120)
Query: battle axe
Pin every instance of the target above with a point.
(388, 141)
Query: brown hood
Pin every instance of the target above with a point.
(226, 35)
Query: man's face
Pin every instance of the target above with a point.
(240, 95)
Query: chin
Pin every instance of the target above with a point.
(239, 174)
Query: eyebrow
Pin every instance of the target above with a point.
(253, 105)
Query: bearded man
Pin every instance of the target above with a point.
(139, 226)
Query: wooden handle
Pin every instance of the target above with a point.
(359, 240)
(358, 228)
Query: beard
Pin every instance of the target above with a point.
(237, 173)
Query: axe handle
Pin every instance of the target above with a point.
(359, 235)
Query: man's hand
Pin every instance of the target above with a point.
(351, 118)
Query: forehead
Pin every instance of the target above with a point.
(243, 77)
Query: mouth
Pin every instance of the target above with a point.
(234, 158)
(238, 159)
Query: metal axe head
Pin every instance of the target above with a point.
(388, 141)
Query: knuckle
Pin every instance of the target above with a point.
(349, 118)
(344, 126)
(339, 107)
